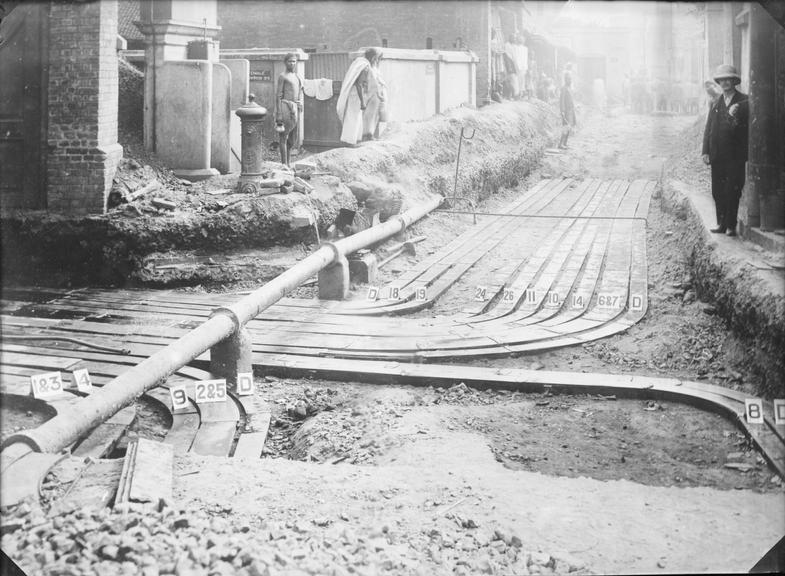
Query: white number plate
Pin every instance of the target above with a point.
(753, 408)
(609, 301)
(779, 412)
(210, 391)
(82, 380)
(179, 396)
(46, 385)
(481, 293)
(244, 383)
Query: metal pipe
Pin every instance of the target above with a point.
(75, 421)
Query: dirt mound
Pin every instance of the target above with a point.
(419, 158)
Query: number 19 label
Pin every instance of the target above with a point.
(244, 383)
(753, 408)
(46, 385)
(179, 395)
(420, 295)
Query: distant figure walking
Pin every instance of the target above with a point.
(725, 147)
(567, 108)
(376, 102)
(353, 98)
(288, 107)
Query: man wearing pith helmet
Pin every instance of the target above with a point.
(725, 147)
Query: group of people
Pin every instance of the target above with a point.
(361, 104)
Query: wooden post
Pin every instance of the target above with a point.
(762, 166)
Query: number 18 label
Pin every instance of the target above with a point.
(46, 385)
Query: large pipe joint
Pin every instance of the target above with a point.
(229, 313)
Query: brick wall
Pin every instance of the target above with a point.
(336, 26)
(83, 90)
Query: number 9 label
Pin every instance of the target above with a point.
(179, 395)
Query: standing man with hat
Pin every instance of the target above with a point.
(725, 147)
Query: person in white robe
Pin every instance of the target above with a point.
(352, 100)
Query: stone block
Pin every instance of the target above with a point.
(220, 151)
(363, 268)
(333, 280)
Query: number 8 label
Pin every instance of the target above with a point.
(179, 395)
(753, 408)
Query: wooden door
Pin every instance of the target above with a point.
(23, 48)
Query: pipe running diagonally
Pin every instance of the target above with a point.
(77, 420)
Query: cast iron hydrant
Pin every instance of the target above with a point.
(252, 172)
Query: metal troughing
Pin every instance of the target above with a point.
(75, 421)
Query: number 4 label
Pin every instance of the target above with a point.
(779, 412)
(753, 408)
(179, 396)
(244, 383)
(82, 380)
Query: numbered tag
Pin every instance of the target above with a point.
(552, 300)
(636, 302)
(373, 293)
(210, 391)
(420, 294)
(753, 409)
(609, 301)
(779, 412)
(577, 301)
(481, 293)
(46, 385)
(82, 380)
(530, 298)
(179, 396)
(394, 293)
(244, 383)
(508, 296)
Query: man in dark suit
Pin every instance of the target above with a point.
(725, 147)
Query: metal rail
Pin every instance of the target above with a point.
(76, 420)
(510, 215)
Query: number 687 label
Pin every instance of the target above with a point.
(47, 384)
(609, 301)
(210, 391)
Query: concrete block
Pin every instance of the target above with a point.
(333, 280)
(183, 105)
(240, 70)
(231, 356)
(363, 268)
(220, 150)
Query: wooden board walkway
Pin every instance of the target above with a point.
(563, 264)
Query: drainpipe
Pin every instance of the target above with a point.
(74, 422)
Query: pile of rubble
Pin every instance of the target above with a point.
(100, 541)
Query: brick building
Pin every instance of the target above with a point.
(335, 26)
(58, 106)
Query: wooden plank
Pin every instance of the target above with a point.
(183, 431)
(151, 479)
(95, 487)
(103, 438)
(214, 438)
